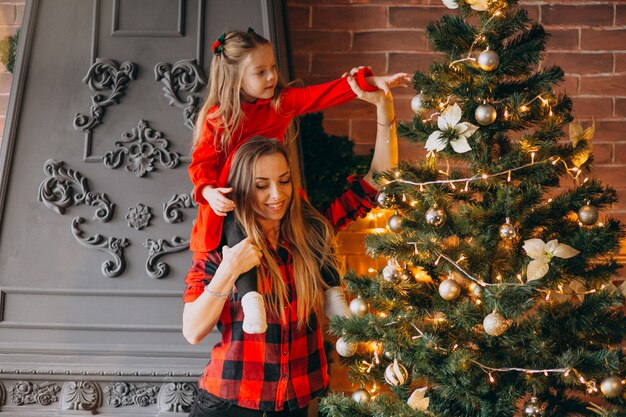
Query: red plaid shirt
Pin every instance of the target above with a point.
(286, 366)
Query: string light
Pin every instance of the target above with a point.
(479, 38)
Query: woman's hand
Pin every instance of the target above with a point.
(242, 257)
(216, 197)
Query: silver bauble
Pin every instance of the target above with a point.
(533, 408)
(395, 223)
(396, 374)
(345, 348)
(361, 396)
(588, 215)
(494, 324)
(508, 231)
(359, 307)
(449, 289)
(384, 200)
(488, 60)
(435, 216)
(391, 273)
(417, 103)
(485, 114)
(477, 291)
(611, 386)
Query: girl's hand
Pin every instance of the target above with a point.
(242, 257)
(387, 82)
(216, 197)
(378, 97)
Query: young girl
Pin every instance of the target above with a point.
(246, 98)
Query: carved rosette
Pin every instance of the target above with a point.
(112, 245)
(80, 395)
(138, 216)
(185, 76)
(172, 212)
(161, 247)
(142, 146)
(177, 397)
(24, 392)
(104, 74)
(65, 187)
(121, 394)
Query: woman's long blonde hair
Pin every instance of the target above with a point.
(307, 233)
(225, 78)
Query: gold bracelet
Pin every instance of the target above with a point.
(216, 294)
(390, 123)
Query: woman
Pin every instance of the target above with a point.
(279, 372)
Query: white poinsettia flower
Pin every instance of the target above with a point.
(478, 5)
(449, 119)
(450, 4)
(542, 253)
(417, 401)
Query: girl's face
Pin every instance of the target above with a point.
(273, 190)
(260, 74)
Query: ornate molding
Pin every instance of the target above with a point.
(161, 247)
(139, 216)
(172, 209)
(185, 75)
(100, 373)
(24, 392)
(177, 397)
(81, 395)
(3, 394)
(112, 245)
(121, 394)
(57, 192)
(142, 146)
(104, 74)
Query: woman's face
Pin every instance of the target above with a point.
(273, 189)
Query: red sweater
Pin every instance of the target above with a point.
(210, 166)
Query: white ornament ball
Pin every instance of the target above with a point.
(477, 291)
(417, 103)
(384, 200)
(361, 396)
(359, 307)
(345, 348)
(435, 216)
(485, 114)
(488, 60)
(588, 215)
(449, 289)
(611, 386)
(391, 273)
(395, 223)
(396, 374)
(495, 324)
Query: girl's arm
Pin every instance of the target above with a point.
(202, 314)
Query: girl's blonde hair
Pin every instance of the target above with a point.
(225, 78)
(308, 235)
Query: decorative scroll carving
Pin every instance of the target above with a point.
(80, 395)
(177, 397)
(24, 392)
(123, 394)
(139, 216)
(142, 146)
(112, 245)
(171, 209)
(57, 191)
(161, 247)
(184, 75)
(104, 74)
(3, 394)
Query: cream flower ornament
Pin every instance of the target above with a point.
(449, 125)
(417, 401)
(542, 253)
(478, 5)
(450, 4)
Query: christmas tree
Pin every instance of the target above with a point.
(497, 299)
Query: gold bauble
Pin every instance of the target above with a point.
(449, 289)
(485, 114)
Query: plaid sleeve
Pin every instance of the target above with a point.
(203, 267)
(354, 203)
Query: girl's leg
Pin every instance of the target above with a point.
(254, 320)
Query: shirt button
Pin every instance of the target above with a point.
(285, 353)
(285, 376)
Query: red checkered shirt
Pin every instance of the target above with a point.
(286, 366)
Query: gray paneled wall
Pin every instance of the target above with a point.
(95, 202)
